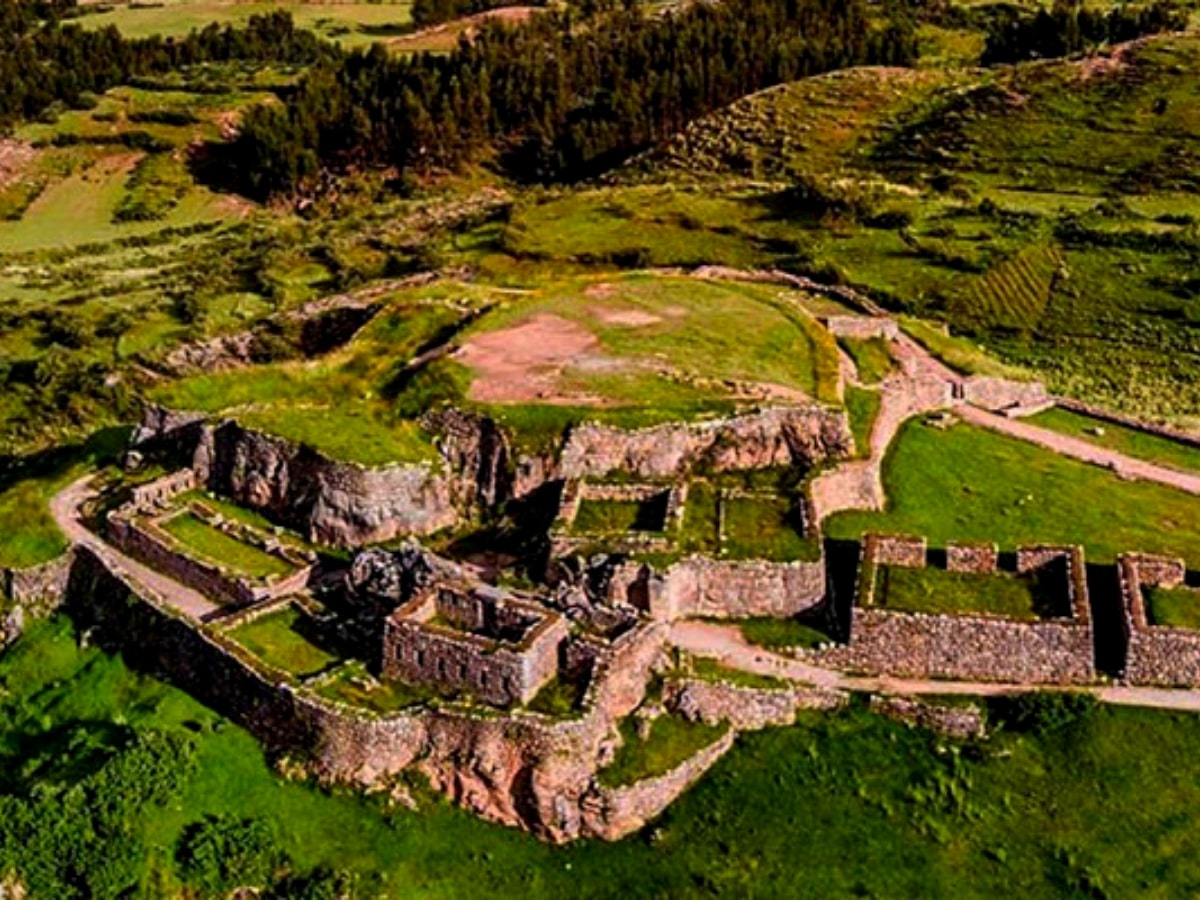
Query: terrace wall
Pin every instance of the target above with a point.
(37, 589)
(335, 503)
(521, 770)
(745, 708)
(863, 328)
(614, 813)
(1107, 415)
(1157, 654)
(774, 437)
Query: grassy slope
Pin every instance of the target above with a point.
(214, 545)
(276, 639)
(1117, 437)
(848, 805)
(970, 484)
(937, 591)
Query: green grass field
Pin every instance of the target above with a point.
(765, 528)
(1125, 440)
(706, 668)
(871, 357)
(862, 406)
(842, 805)
(198, 537)
(782, 634)
(619, 516)
(1173, 607)
(276, 638)
(352, 23)
(973, 485)
(938, 592)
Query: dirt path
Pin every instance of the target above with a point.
(65, 508)
(726, 643)
(1075, 448)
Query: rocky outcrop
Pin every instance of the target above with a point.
(335, 503)
(963, 722)
(775, 437)
(475, 448)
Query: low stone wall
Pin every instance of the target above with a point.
(774, 437)
(997, 394)
(744, 708)
(1157, 655)
(700, 587)
(614, 813)
(1107, 415)
(905, 550)
(963, 723)
(565, 540)
(161, 491)
(969, 648)
(978, 558)
(863, 328)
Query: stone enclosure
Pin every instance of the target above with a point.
(1157, 654)
(971, 647)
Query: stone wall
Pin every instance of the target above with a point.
(965, 722)
(774, 437)
(1107, 415)
(1003, 393)
(1157, 655)
(863, 328)
(614, 813)
(143, 539)
(521, 770)
(904, 550)
(37, 589)
(700, 587)
(744, 708)
(161, 491)
(501, 672)
(969, 647)
(978, 558)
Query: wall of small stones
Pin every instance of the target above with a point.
(1002, 393)
(1157, 655)
(965, 722)
(614, 813)
(970, 648)
(744, 708)
(863, 328)
(38, 589)
(905, 550)
(980, 559)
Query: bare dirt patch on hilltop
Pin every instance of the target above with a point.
(525, 362)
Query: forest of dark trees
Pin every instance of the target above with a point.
(45, 59)
(556, 99)
(1070, 27)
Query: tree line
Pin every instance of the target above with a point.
(44, 59)
(556, 98)
(1070, 27)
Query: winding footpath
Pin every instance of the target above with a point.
(65, 506)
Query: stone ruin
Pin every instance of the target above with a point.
(1158, 655)
(137, 528)
(661, 506)
(476, 640)
(971, 647)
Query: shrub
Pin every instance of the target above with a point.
(1039, 712)
(224, 852)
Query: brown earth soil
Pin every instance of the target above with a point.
(525, 362)
(15, 157)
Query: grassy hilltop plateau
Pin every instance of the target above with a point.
(586, 298)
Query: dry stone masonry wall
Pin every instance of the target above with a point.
(1157, 654)
(967, 647)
